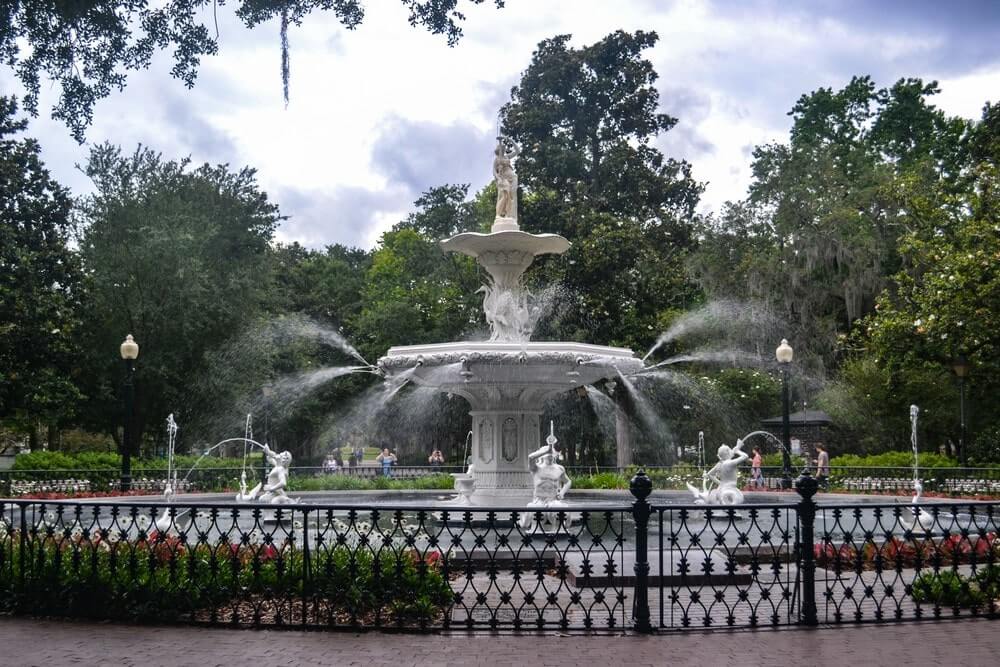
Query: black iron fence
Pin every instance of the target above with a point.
(644, 565)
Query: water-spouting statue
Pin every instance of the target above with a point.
(273, 490)
(719, 485)
(465, 483)
(921, 517)
(550, 484)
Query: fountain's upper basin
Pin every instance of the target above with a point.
(556, 365)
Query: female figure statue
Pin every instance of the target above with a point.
(506, 180)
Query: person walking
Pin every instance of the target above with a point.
(822, 467)
(756, 474)
(387, 459)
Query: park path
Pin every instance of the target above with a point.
(30, 642)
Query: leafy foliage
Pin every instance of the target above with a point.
(176, 255)
(585, 120)
(41, 285)
(89, 48)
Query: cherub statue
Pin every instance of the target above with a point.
(724, 476)
(273, 490)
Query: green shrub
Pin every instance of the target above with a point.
(337, 482)
(947, 589)
(161, 578)
(894, 460)
(776, 460)
(603, 480)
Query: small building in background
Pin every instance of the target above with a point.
(809, 427)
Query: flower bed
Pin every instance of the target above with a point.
(163, 577)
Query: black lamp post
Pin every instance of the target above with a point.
(960, 365)
(130, 352)
(784, 355)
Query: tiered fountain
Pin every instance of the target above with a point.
(506, 379)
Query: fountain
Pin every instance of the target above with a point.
(506, 379)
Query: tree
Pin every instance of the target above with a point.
(414, 293)
(585, 119)
(88, 48)
(326, 285)
(945, 302)
(41, 285)
(824, 216)
(446, 210)
(176, 256)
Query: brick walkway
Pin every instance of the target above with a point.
(970, 643)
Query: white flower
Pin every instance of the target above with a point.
(917, 322)
(142, 522)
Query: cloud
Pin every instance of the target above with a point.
(421, 155)
(381, 114)
(351, 216)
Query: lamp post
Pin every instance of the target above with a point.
(784, 355)
(130, 352)
(960, 366)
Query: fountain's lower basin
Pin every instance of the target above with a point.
(506, 385)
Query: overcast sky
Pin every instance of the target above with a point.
(380, 114)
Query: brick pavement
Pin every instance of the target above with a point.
(24, 642)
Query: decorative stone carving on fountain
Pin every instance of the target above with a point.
(273, 490)
(719, 485)
(506, 252)
(550, 484)
(508, 439)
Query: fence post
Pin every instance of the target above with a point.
(306, 566)
(22, 541)
(641, 486)
(807, 485)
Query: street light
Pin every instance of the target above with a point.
(960, 365)
(784, 355)
(130, 352)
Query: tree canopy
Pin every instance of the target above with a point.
(869, 238)
(41, 285)
(88, 49)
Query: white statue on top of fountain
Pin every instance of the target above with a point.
(550, 484)
(723, 477)
(506, 179)
(273, 490)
